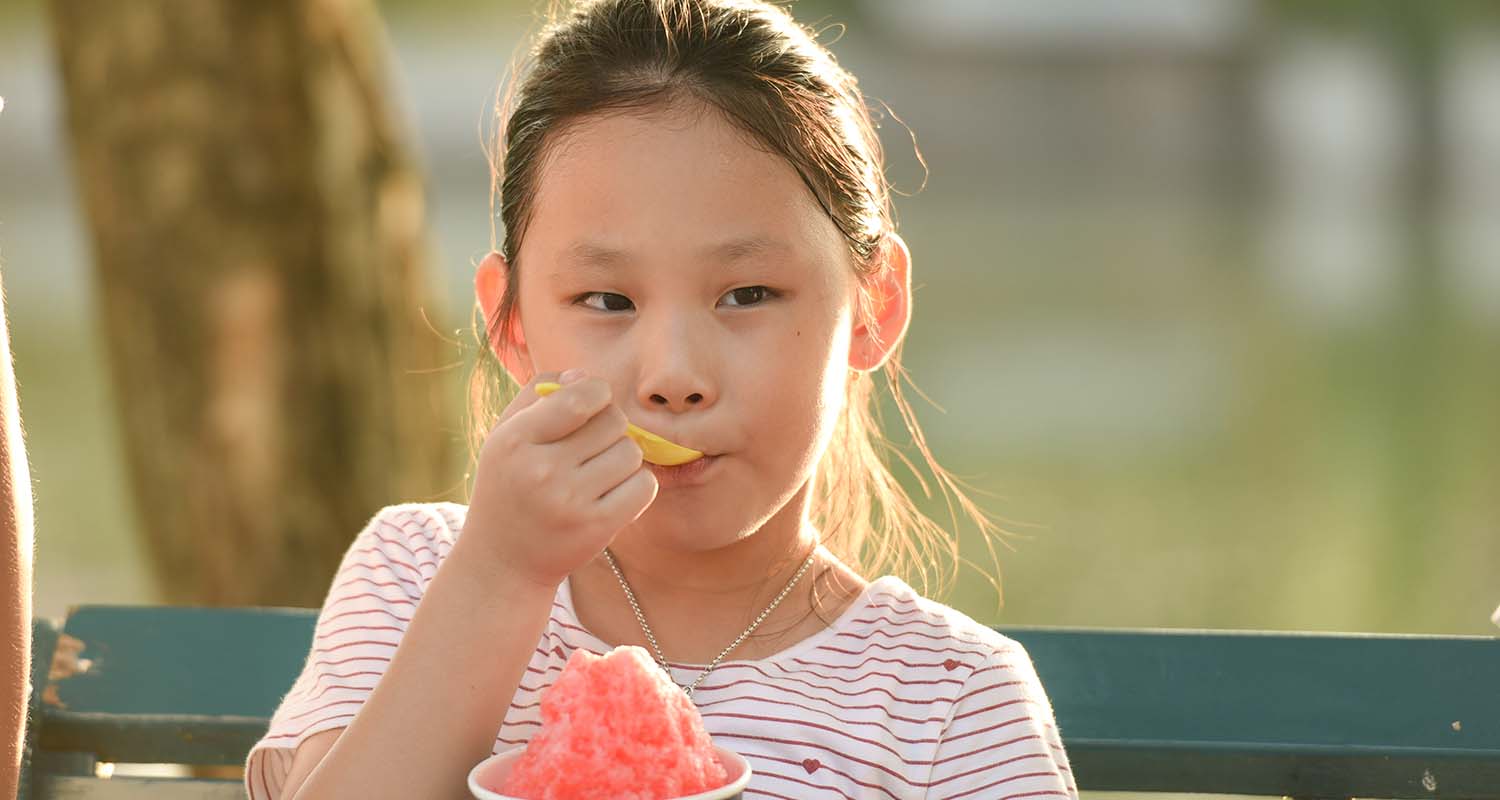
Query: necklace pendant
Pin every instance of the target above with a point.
(656, 648)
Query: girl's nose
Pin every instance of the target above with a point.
(692, 399)
(675, 371)
(677, 384)
(677, 400)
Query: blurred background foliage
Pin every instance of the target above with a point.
(1208, 294)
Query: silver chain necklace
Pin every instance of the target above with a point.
(662, 660)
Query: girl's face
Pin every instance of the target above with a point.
(698, 275)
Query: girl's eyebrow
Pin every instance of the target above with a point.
(745, 247)
(591, 256)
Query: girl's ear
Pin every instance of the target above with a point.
(510, 344)
(890, 292)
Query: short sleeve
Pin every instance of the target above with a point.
(1001, 739)
(372, 598)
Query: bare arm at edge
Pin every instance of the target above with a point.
(15, 572)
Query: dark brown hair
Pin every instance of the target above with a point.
(767, 74)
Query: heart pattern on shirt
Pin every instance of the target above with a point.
(811, 765)
(950, 665)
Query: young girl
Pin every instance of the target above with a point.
(698, 240)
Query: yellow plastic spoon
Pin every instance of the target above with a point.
(653, 448)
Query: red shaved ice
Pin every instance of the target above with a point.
(616, 726)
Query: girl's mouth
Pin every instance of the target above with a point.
(694, 473)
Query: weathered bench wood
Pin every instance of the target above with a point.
(1303, 715)
(124, 788)
(140, 684)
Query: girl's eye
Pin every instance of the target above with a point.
(743, 296)
(612, 301)
(750, 295)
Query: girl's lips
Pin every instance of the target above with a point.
(693, 473)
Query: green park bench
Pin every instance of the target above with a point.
(1299, 715)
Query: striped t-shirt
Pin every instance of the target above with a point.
(901, 697)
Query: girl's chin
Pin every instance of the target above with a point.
(687, 533)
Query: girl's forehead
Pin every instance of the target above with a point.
(683, 178)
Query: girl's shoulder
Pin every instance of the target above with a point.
(986, 682)
(981, 657)
(416, 526)
(409, 540)
(892, 605)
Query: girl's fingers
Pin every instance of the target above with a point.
(608, 469)
(631, 498)
(564, 411)
(601, 432)
(527, 396)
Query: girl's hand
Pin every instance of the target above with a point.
(556, 481)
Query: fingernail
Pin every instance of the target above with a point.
(571, 376)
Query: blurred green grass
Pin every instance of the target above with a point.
(1341, 480)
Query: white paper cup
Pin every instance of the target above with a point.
(493, 770)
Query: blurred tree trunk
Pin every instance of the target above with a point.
(257, 224)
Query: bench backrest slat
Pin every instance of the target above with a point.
(126, 788)
(192, 661)
(1275, 713)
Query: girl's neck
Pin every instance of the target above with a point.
(737, 573)
(697, 603)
